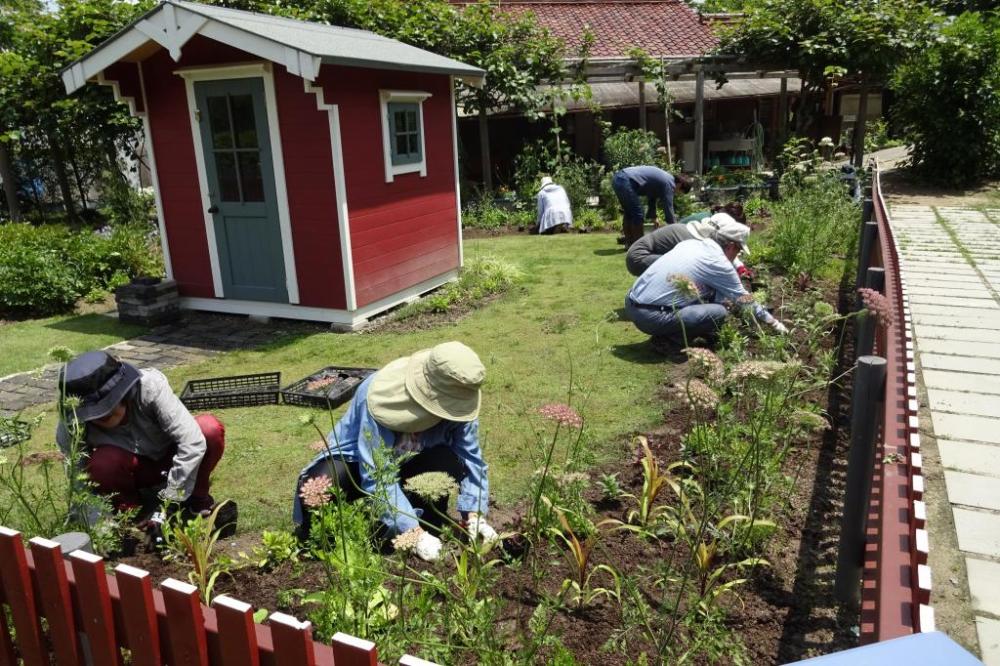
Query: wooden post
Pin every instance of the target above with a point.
(142, 632)
(859, 127)
(56, 602)
(642, 103)
(20, 596)
(186, 623)
(699, 123)
(351, 651)
(484, 148)
(94, 599)
(867, 405)
(237, 635)
(782, 116)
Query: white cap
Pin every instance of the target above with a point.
(729, 230)
(546, 180)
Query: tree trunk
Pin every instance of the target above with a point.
(484, 146)
(9, 183)
(76, 176)
(62, 177)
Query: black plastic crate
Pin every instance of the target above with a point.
(328, 387)
(13, 431)
(239, 391)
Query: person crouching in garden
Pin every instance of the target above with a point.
(420, 412)
(632, 183)
(136, 435)
(683, 294)
(555, 215)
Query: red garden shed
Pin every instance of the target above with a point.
(301, 170)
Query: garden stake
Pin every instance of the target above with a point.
(867, 405)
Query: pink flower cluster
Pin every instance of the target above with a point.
(878, 305)
(698, 396)
(316, 492)
(561, 413)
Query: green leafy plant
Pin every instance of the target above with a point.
(611, 488)
(193, 541)
(578, 554)
(276, 548)
(654, 482)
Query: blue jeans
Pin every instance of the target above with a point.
(688, 322)
(631, 206)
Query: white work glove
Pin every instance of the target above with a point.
(779, 327)
(428, 547)
(478, 527)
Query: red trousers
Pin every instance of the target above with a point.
(121, 474)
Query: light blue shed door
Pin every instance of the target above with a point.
(233, 120)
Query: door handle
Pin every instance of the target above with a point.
(213, 209)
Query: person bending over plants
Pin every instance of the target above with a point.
(137, 436)
(645, 251)
(632, 183)
(684, 294)
(418, 414)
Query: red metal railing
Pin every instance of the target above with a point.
(89, 611)
(896, 578)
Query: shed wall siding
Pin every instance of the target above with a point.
(403, 232)
(305, 141)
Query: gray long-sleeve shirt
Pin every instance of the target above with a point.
(157, 424)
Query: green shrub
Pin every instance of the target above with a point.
(627, 148)
(948, 101)
(480, 277)
(810, 226)
(46, 269)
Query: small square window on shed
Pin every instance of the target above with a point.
(403, 132)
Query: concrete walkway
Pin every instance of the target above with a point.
(195, 338)
(951, 263)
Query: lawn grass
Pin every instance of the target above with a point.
(564, 321)
(26, 344)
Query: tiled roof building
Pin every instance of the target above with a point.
(660, 27)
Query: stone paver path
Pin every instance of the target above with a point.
(197, 337)
(951, 263)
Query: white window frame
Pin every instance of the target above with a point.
(413, 96)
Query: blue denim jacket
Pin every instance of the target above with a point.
(355, 437)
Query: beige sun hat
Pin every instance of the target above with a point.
(413, 393)
(546, 181)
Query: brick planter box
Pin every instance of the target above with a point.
(148, 301)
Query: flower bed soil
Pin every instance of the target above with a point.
(786, 612)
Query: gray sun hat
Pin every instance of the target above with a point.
(98, 381)
(413, 393)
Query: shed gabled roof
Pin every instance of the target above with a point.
(662, 28)
(299, 45)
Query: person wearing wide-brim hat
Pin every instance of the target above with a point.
(136, 434)
(423, 409)
(555, 213)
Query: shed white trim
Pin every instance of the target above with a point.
(154, 175)
(458, 188)
(263, 71)
(340, 185)
(300, 46)
(340, 318)
(415, 96)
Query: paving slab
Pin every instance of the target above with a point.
(964, 426)
(990, 314)
(978, 531)
(984, 584)
(970, 457)
(957, 402)
(954, 322)
(970, 364)
(975, 490)
(988, 631)
(959, 381)
(956, 334)
(954, 300)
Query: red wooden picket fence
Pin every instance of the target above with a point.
(92, 615)
(896, 579)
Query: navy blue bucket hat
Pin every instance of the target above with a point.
(99, 381)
